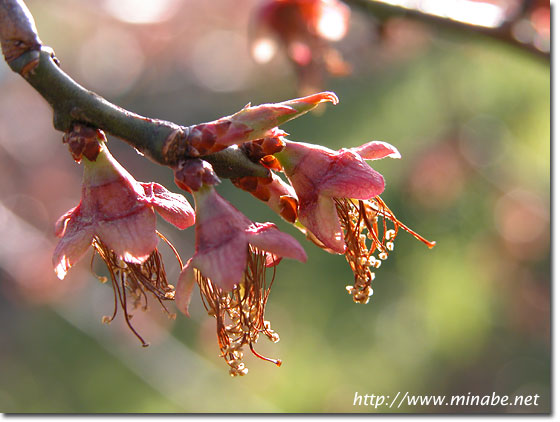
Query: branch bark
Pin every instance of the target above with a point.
(72, 103)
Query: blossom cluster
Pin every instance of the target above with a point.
(333, 197)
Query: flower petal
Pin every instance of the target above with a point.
(173, 207)
(62, 222)
(72, 247)
(299, 158)
(185, 286)
(217, 220)
(268, 238)
(321, 219)
(224, 264)
(375, 150)
(133, 237)
(350, 177)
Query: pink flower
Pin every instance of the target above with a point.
(340, 207)
(319, 174)
(119, 212)
(231, 256)
(224, 237)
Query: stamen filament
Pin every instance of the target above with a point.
(135, 280)
(240, 313)
(357, 217)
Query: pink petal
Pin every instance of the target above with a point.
(350, 177)
(72, 247)
(185, 286)
(312, 100)
(302, 158)
(321, 219)
(173, 207)
(111, 200)
(268, 238)
(217, 220)
(61, 223)
(375, 150)
(132, 237)
(224, 264)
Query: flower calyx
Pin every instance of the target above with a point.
(84, 141)
(194, 173)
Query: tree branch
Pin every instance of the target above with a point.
(18, 33)
(71, 102)
(383, 10)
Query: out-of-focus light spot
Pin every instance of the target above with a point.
(523, 31)
(220, 61)
(521, 217)
(540, 20)
(466, 11)
(333, 21)
(301, 53)
(437, 178)
(263, 50)
(141, 11)
(111, 61)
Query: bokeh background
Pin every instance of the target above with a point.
(470, 116)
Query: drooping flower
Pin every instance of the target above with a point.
(230, 263)
(116, 215)
(340, 207)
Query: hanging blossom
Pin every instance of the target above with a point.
(232, 256)
(340, 208)
(116, 215)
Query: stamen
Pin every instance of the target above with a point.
(135, 280)
(357, 217)
(240, 313)
(162, 237)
